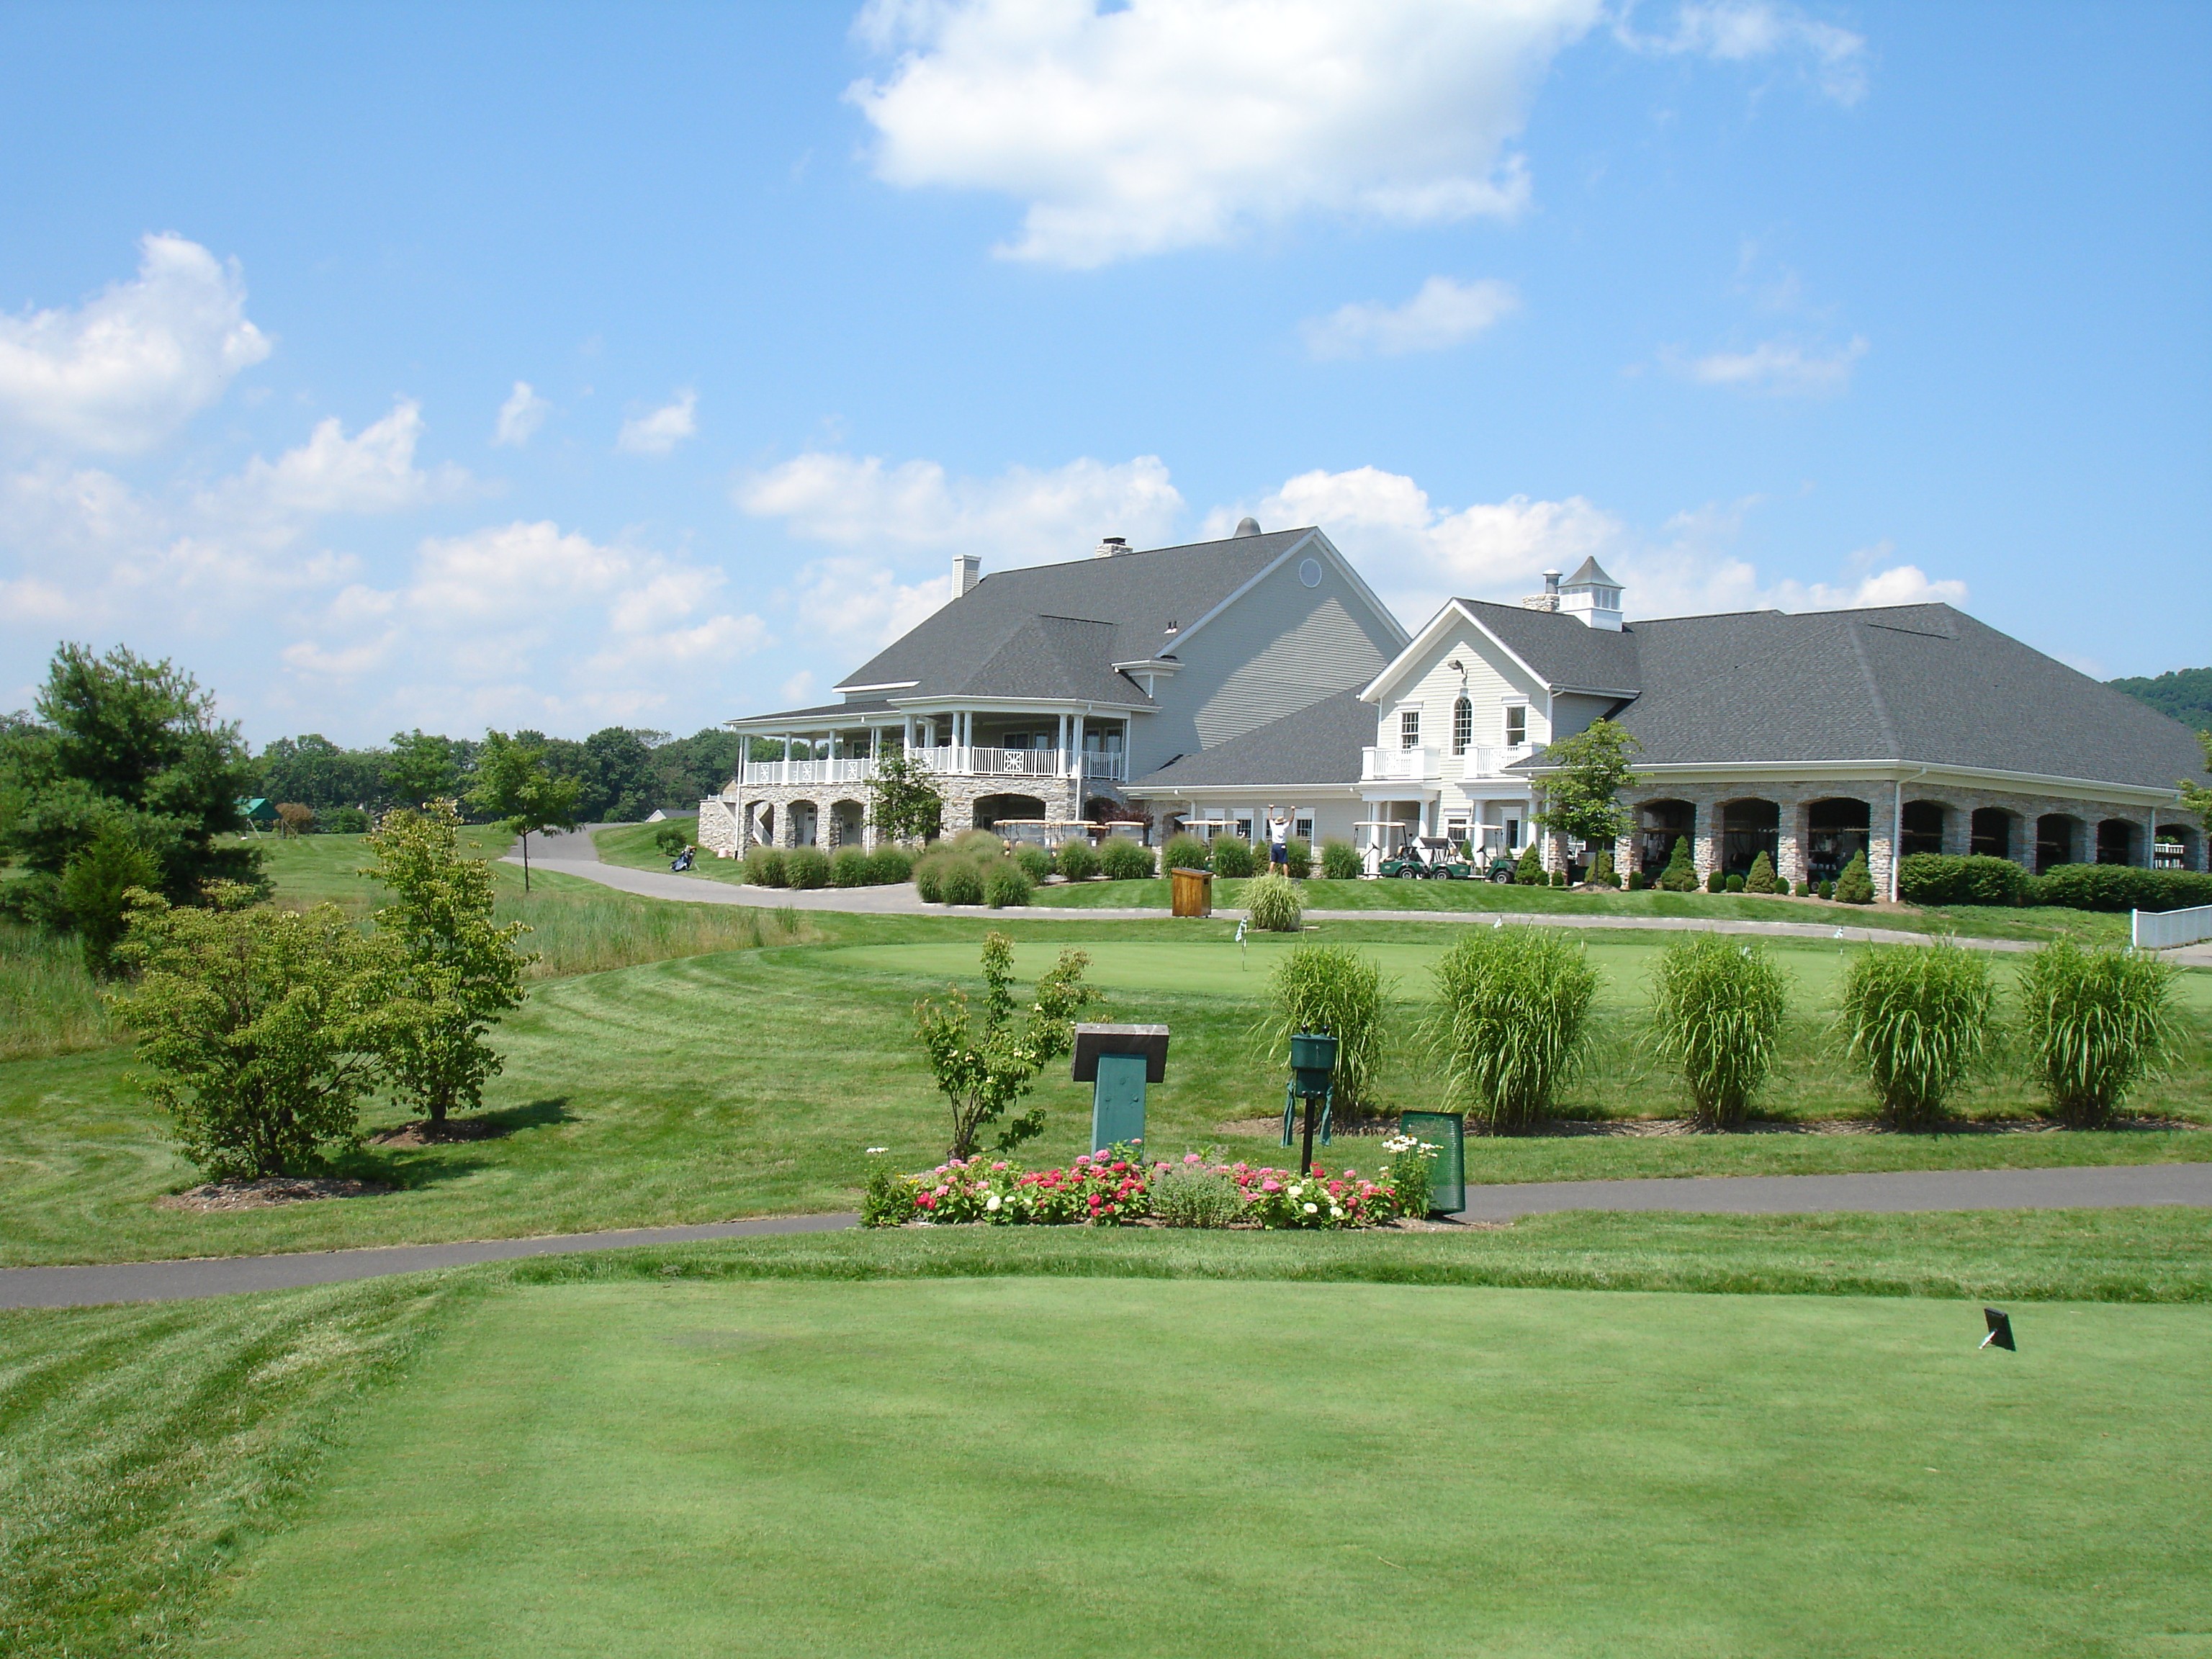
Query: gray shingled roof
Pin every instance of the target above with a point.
(1565, 651)
(1590, 571)
(1921, 684)
(1081, 617)
(1318, 743)
(859, 710)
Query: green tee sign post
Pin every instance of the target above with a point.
(1118, 1061)
(1313, 1078)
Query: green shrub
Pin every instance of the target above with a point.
(2121, 887)
(887, 1199)
(1853, 885)
(980, 844)
(1184, 852)
(962, 882)
(1512, 1012)
(1528, 870)
(1717, 1006)
(1940, 878)
(1196, 1196)
(1340, 860)
(1077, 860)
(1034, 863)
(929, 877)
(1716, 882)
(806, 867)
(764, 867)
(1299, 854)
(1410, 1174)
(2093, 1024)
(850, 867)
(1635, 881)
(672, 837)
(1680, 875)
(1602, 874)
(1007, 885)
(1804, 889)
(1558, 878)
(1231, 856)
(1331, 988)
(1274, 905)
(1123, 859)
(1736, 884)
(93, 890)
(889, 866)
(342, 821)
(1825, 890)
(1917, 1020)
(1761, 878)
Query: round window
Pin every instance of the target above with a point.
(1309, 573)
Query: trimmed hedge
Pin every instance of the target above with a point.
(1948, 878)
(2119, 887)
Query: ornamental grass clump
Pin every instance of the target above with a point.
(1717, 1006)
(1328, 988)
(1006, 885)
(806, 867)
(2094, 1024)
(1076, 861)
(1185, 853)
(1340, 860)
(1123, 859)
(1511, 1016)
(1232, 857)
(764, 867)
(1917, 1021)
(1273, 904)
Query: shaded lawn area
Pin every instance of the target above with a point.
(1120, 1467)
(145, 1450)
(750, 1083)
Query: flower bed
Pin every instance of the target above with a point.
(1114, 1189)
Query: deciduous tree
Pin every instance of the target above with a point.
(514, 785)
(905, 803)
(1582, 798)
(983, 1070)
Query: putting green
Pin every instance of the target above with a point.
(1109, 1466)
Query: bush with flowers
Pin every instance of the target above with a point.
(1113, 1188)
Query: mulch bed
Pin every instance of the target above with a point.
(266, 1193)
(423, 1133)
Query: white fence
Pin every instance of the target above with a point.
(963, 761)
(2161, 930)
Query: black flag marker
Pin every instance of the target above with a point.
(2000, 1329)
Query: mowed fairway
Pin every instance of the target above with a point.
(1115, 1466)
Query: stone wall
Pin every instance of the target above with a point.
(725, 819)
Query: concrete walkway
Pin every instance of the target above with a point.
(575, 855)
(2096, 1187)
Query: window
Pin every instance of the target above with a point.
(1309, 573)
(1244, 826)
(1517, 726)
(1513, 832)
(1409, 729)
(1302, 826)
(1462, 725)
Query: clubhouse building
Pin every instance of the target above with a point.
(1196, 687)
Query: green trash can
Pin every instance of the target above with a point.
(1447, 1133)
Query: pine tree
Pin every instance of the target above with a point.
(1529, 872)
(1680, 876)
(1855, 885)
(1761, 878)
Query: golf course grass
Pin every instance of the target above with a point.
(1118, 1467)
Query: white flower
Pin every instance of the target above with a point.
(993, 1202)
(1313, 1209)
(1299, 1192)
(873, 1150)
(1336, 1212)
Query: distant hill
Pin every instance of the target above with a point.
(2185, 694)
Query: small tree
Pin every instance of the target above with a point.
(2195, 796)
(294, 819)
(1853, 885)
(1761, 878)
(514, 785)
(1529, 872)
(459, 970)
(1680, 875)
(95, 888)
(983, 1071)
(905, 804)
(263, 1027)
(1582, 797)
(421, 767)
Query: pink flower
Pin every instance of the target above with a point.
(1270, 1186)
(1192, 1157)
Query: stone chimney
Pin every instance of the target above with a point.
(1111, 547)
(1549, 598)
(964, 577)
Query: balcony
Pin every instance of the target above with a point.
(959, 762)
(1397, 765)
(1430, 766)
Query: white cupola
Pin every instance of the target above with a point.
(1592, 596)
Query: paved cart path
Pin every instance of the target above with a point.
(576, 855)
(2101, 1188)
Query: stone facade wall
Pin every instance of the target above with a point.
(1794, 832)
(724, 819)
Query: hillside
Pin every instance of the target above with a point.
(2185, 694)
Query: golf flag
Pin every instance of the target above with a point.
(2000, 1329)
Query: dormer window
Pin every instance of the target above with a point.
(1517, 726)
(1462, 725)
(1409, 729)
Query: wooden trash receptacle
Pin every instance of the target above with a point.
(1192, 891)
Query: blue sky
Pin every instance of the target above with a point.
(1761, 303)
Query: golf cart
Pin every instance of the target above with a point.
(1429, 858)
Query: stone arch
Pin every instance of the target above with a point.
(2119, 842)
(1748, 827)
(1924, 823)
(1659, 825)
(848, 823)
(803, 820)
(1836, 829)
(2057, 841)
(991, 809)
(1991, 833)
(2185, 837)
(760, 826)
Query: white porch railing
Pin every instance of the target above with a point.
(964, 761)
(2162, 930)
(1397, 765)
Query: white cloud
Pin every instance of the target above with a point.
(1445, 312)
(859, 603)
(134, 362)
(1416, 553)
(1023, 516)
(1779, 367)
(658, 433)
(374, 471)
(1739, 31)
(1172, 124)
(520, 417)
